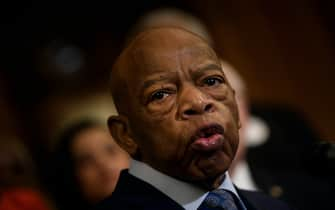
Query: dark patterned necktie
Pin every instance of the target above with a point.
(219, 199)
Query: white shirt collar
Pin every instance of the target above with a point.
(189, 196)
(242, 176)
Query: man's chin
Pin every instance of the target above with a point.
(214, 164)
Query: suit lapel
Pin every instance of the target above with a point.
(249, 203)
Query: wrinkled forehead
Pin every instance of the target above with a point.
(163, 58)
(165, 40)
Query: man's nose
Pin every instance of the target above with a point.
(193, 102)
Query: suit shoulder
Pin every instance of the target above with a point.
(133, 193)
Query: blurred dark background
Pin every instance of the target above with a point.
(53, 52)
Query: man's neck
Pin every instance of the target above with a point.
(182, 192)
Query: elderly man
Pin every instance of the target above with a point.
(179, 121)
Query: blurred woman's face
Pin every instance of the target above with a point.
(98, 161)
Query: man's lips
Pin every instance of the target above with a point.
(208, 138)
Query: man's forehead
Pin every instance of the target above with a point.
(158, 57)
(164, 38)
(161, 47)
(162, 34)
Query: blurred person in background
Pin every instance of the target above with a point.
(19, 189)
(85, 165)
(275, 152)
(240, 170)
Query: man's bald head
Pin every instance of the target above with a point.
(132, 58)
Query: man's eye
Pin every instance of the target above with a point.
(159, 95)
(211, 81)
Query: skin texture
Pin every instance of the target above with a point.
(98, 162)
(169, 89)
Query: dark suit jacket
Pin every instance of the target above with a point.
(289, 166)
(134, 194)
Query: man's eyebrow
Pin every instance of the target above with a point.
(159, 78)
(199, 71)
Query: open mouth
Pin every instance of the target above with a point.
(210, 130)
(208, 138)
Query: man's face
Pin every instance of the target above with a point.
(182, 112)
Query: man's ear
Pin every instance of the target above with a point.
(119, 128)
